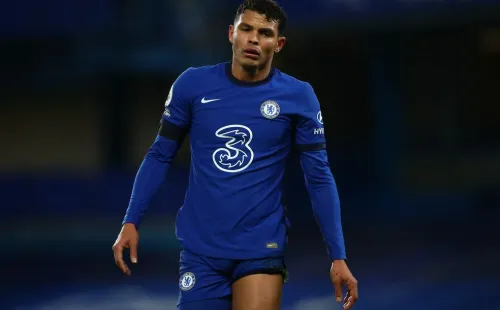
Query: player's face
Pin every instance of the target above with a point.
(255, 40)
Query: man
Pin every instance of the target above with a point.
(243, 118)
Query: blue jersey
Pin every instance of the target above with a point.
(240, 135)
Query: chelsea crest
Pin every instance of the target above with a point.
(270, 109)
(187, 281)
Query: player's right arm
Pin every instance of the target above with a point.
(173, 127)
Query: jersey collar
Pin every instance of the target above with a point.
(248, 84)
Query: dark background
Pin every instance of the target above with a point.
(410, 93)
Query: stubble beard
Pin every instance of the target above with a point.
(253, 68)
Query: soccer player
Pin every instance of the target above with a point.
(243, 117)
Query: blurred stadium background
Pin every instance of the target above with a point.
(410, 92)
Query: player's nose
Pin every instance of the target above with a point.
(253, 42)
(253, 38)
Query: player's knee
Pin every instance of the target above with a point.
(262, 303)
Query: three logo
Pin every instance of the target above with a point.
(237, 154)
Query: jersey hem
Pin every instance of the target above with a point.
(234, 255)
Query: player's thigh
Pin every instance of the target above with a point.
(258, 292)
(208, 304)
(202, 278)
(258, 284)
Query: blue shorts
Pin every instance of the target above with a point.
(207, 278)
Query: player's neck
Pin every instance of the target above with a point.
(245, 75)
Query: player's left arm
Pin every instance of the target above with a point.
(322, 189)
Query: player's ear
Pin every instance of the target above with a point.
(279, 45)
(231, 33)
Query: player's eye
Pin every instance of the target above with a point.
(267, 33)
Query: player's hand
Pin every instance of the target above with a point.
(128, 238)
(341, 275)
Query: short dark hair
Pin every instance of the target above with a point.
(269, 8)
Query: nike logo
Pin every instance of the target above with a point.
(203, 100)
